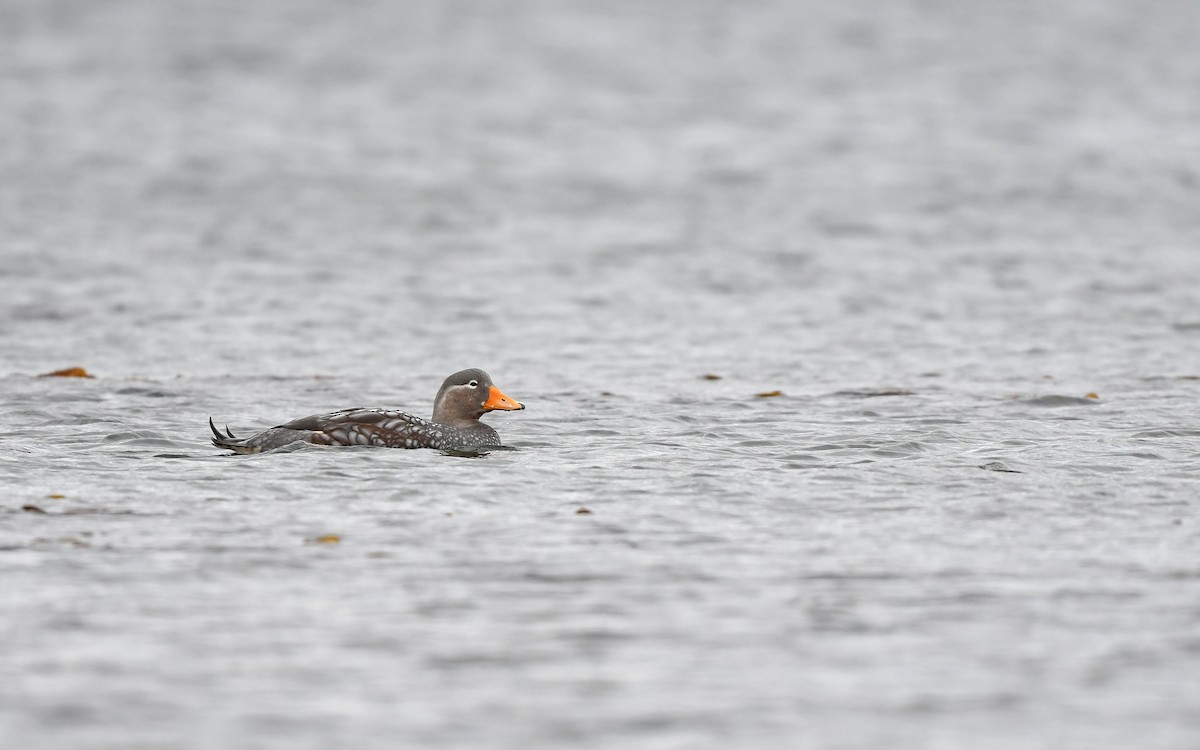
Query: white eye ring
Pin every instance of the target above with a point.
(474, 384)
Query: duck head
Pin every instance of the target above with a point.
(466, 395)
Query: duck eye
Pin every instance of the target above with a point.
(473, 383)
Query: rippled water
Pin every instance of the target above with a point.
(960, 245)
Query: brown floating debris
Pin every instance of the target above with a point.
(56, 496)
(1093, 395)
(32, 509)
(583, 512)
(769, 394)
(710, 376)
(328, 539)
(68, 372)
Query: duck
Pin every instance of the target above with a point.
(463, 398)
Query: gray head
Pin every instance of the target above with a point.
(465, 396)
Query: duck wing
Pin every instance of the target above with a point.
(382, 427)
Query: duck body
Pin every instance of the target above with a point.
(463, 398)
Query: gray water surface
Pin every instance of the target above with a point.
(961, 241)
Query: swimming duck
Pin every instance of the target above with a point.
(461, 401)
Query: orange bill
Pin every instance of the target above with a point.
(497, 400)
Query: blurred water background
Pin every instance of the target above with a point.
(959, 241)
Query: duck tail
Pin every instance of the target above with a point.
(228, 440)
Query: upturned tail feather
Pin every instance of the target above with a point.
(228, 440)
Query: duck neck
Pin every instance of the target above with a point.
(443, 415)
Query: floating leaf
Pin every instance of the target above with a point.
(769, 394)
(56, 496)
(32, 509)
(583, 512)
(1093, 395)
(710, 376)
(68, 372)
(328, 539)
